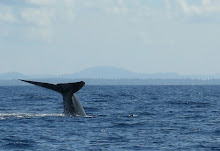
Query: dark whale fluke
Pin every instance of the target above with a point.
(72, 105)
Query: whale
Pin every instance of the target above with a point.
(71, 103)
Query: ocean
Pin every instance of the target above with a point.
(119, 118)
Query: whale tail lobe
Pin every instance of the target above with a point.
(62, 88)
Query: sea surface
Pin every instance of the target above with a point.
(119, 118)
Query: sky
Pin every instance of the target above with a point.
(144, 36)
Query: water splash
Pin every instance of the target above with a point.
(27, 115)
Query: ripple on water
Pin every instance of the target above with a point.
(119, 118)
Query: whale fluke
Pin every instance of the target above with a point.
(72, 105)
(61, 87)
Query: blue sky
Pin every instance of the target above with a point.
(147, 36)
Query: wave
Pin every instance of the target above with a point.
(28, 115)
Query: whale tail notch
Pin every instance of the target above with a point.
(61, 87)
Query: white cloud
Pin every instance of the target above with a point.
(45, 16)
(117, 10)
(38, 16)
(48, 12)
(133, 9)
(167, 4)
(206, 2)
(204, 8)
(6, 14)
(42, 15)
(41, 2)
(113, 7)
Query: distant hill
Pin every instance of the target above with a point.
(106, 72)
(103, 72)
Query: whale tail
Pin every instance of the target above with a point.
(61, 87)
(72, 105)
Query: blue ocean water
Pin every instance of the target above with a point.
(119, 118)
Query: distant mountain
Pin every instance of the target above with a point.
(106, 72)
(103, 72)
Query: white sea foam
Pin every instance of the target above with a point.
(27, 115)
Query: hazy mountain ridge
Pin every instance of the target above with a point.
(107, 73)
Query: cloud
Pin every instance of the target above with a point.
(205, 8)
(6, 14)
(48, 12)
(38, 16)
(41, 2)
(201, 11)
(48, 17)
(117, 10)
(130, 8)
